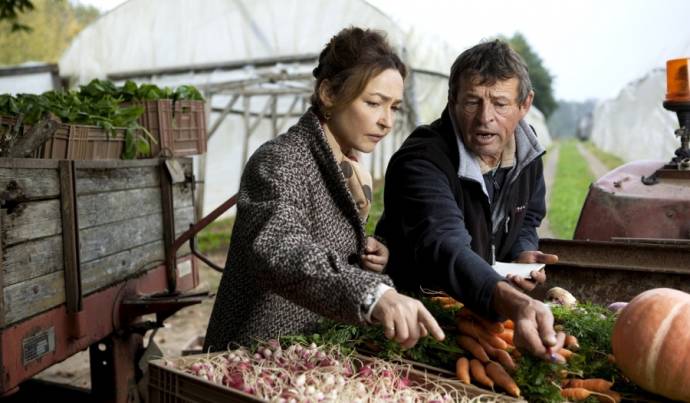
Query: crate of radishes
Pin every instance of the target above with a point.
(295, 373)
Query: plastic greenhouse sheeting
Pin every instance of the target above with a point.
(159, 34)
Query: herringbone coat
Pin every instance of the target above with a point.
(294, 254)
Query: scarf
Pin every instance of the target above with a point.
(357, 179)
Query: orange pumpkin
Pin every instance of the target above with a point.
(651, 342)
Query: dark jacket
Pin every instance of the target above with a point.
(438, 223)
(295, 245)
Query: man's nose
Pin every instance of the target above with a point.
(486, 112)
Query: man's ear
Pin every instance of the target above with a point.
(325, 93)
(526, 104)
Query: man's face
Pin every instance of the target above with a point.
(487, 115)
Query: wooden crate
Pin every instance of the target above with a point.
(120, 228)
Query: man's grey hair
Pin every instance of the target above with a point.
(490, 62)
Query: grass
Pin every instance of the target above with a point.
(215, 238)
(570, 188)
(611, 161)
(376, 208)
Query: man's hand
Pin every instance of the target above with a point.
(405, 319)
(534, 332)
(375, 255)
(537, 276)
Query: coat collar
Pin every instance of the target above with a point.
(317, 142)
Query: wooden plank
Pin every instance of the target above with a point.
(32, 259)
(28, 163)
(25, 299)
(182, 195)
(103, 208)
(111, 269)
(183, 217)
(105, 240)
(107, 180)
(70, 238)
(34, 183)
(31, 220)
(116, 165)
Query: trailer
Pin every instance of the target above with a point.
(87, 248)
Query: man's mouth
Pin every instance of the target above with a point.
(485, 137)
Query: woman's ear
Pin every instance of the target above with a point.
(325, 93)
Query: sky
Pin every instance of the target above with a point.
(593, 48)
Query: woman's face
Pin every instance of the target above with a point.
(365, 121)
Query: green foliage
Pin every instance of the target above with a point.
(376, 208)
(100, 103)
(42, 34)
(10, 10)
(570, 188)
(541, 78)
(215, 238)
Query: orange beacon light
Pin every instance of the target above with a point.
(677, 83)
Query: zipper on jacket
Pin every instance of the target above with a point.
(507, 223)
(493, 254)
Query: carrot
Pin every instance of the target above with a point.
(476, 331)
(444, 300)
(507, 336)
(508, 324)
(565, 353)
(506, 360)
(490, 350)
(593, 384)
(473, 347)
(451, 305)
(575, 393)
(479, 373)
(571, 343)
(609, 397)
(462, 370)
(502, 379)
(485, 324)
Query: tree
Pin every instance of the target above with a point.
(53, 25)
(10, 9)
(541, 78)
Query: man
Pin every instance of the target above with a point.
(468, 190)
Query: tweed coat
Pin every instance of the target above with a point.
(295, 248)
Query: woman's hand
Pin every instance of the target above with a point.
(375, 255)
(405, 319)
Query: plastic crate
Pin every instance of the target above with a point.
(170, 385)
(179, 128)
(73, 142)
(76, 142)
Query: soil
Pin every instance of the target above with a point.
(179, 333)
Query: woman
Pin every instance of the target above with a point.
(298, 250)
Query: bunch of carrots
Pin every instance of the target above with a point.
(494, 354)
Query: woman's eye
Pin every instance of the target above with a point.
(372, 103)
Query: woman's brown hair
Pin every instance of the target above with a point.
(347, 63)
